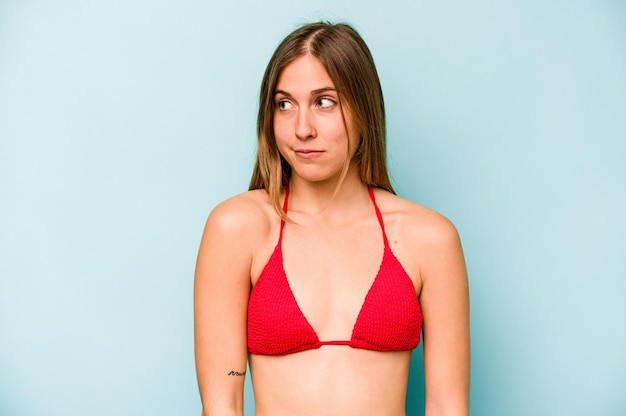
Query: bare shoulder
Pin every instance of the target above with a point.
(244, 221)
(417, 222)
(421, 238)
(241, 212)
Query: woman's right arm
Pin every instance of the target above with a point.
(221, 291)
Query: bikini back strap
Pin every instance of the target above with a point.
(378, 215)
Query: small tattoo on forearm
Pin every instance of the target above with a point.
(237, 373)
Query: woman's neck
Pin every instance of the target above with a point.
(328, 198)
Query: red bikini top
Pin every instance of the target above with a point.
(390, 318)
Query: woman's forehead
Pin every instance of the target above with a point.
(304, 74)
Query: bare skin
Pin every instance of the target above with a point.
(332, 250)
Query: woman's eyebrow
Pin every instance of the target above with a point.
(321, 90)
(314, 92)
(282, 92)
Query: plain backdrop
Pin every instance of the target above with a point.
(123, 123)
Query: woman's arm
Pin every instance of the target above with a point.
(221, 291)
(445, 306)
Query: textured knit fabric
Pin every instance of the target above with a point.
(390, 318)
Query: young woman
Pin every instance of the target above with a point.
(320, 276)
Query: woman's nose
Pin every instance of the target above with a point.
(304, 125)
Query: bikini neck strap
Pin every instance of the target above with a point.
(378, 215)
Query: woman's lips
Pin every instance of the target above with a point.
(308, 153)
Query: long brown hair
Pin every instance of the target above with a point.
(350, 65)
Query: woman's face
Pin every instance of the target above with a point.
(308, 125)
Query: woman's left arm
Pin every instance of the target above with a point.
(444, 299)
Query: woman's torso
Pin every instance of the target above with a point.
(332, 380)
(330, 266)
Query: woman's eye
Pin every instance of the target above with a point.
(325, 102)
(283, 105)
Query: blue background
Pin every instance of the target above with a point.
(122, 123)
